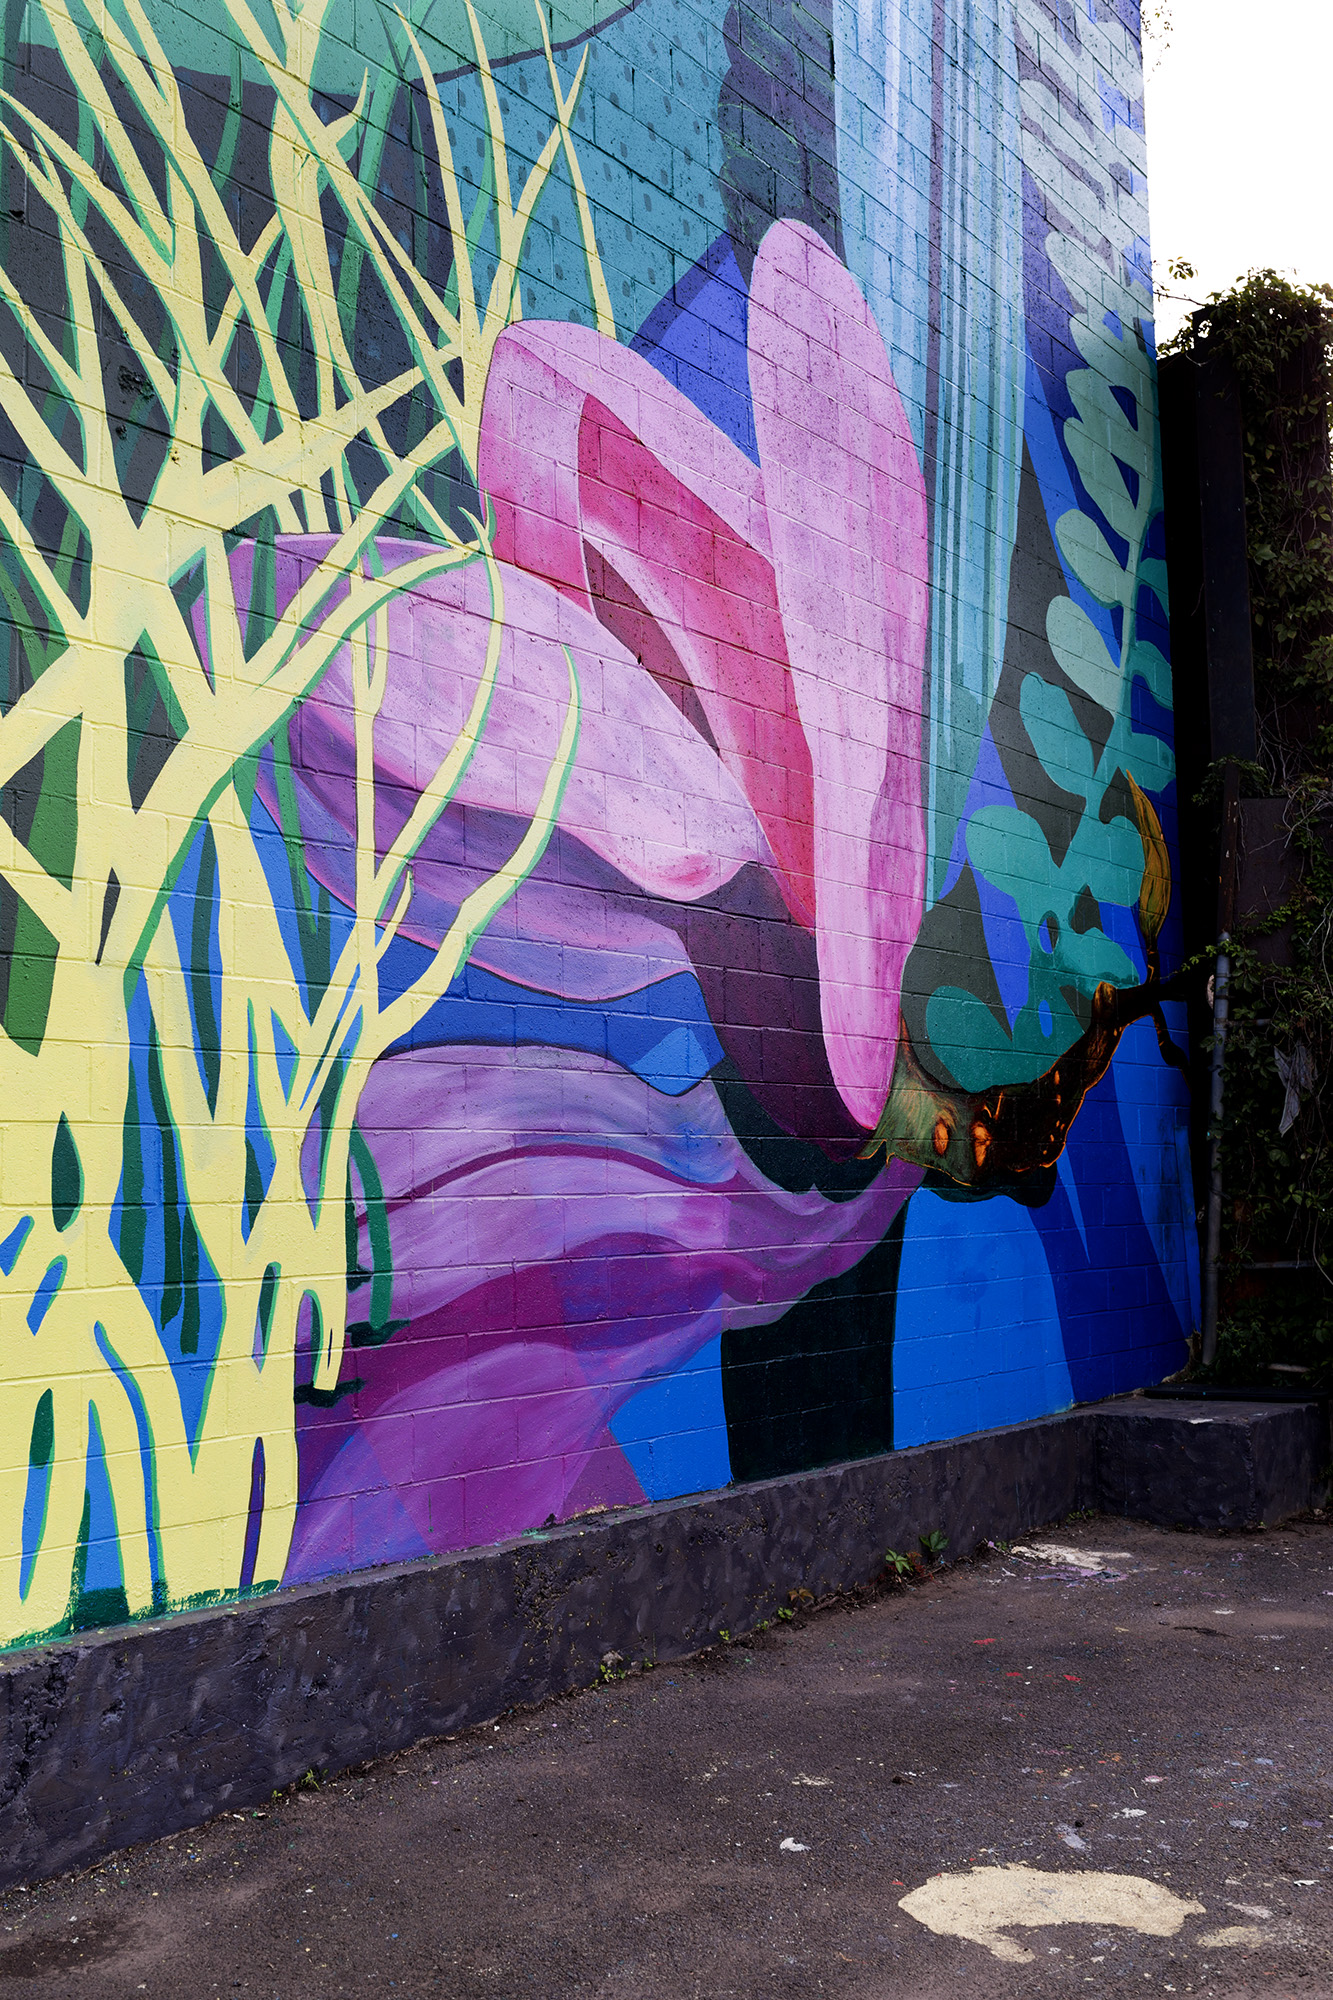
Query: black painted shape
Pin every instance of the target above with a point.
(1036, 579)
(796, 1165)
(777, 119)
(154, 724)
(950, 950)
(817, 1384)
(110, 898)
(151, 1728)
(1030, 1189)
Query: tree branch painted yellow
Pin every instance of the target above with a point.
(81, 1341)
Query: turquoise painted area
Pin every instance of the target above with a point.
(357, 37)
(905, 189)
(674, 1431)
(977, 1337)
(650, 150)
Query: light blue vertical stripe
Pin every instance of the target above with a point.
(974, 378)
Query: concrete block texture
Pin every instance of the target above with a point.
(607, 938)
(134, 1732)
(1206, 1464)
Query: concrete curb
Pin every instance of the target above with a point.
(145, 1729)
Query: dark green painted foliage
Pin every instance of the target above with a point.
(66, 1176)
(43, 1431)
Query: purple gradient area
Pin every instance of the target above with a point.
(563, 1235)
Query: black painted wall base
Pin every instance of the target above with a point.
(149, 1728)
(1208, 1464)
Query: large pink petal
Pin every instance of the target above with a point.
(847, 523)
(647, 794)
(784, 612)
(672, 514)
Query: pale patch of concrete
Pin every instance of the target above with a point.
(1094, 1560)
(1246, 1934)
(980, 1905)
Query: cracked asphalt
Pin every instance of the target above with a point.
(745, 1823)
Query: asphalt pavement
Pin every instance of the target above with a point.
(1099, 1763)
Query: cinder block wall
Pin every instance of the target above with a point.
(587, 808)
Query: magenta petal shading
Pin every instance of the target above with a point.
(671, 515)
(846, 508)
(792, 608)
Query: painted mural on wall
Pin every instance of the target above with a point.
(585, 845)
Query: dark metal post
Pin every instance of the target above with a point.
(1226, 911)
(1203, 448)
(1213, 1233)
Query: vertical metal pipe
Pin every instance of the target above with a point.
(1213, 1236)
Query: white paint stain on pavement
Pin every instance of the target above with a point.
(984, 1903)
(1094, 1560)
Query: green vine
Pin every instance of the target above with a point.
(1277, 1267)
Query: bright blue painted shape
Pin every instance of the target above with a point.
(182, 904)
(661, 1032)
(977, 1338)
(192, 1373)
(1121, 1329)
(989, 787)
(272, 851)
(284, 1054)
(143, 1424)
(52, 1279)
(13, 1243)
(1153, 1103)
(36, 1494)
(697, 338)
(674, 1431)
(257, 1136)
(103, 1569)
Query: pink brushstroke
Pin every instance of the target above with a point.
(750, 645)
(847, 518)
(769, 709)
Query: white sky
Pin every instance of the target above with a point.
(1240, 144)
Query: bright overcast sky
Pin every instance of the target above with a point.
(1240, 143)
